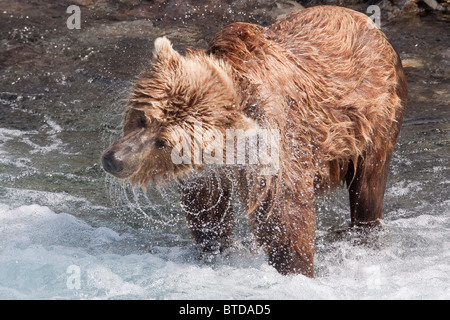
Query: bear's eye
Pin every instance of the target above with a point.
(142, 121)
(160, 144)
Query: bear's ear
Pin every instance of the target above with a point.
(164, 52)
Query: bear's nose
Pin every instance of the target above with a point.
(110, 162)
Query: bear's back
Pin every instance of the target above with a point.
(330, 65)
(326, 76)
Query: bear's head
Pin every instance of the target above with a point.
(174, 98)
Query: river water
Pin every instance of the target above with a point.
(68, 231)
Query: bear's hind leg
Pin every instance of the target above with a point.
(207, 203)
(367, 185)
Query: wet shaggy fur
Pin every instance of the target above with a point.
(325, 77)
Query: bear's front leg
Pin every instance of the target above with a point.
(286, 230)
(207, 203)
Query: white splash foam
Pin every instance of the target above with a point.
(37, 246)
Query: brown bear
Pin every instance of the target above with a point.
(324, 78)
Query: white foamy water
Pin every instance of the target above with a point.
(48, 255)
